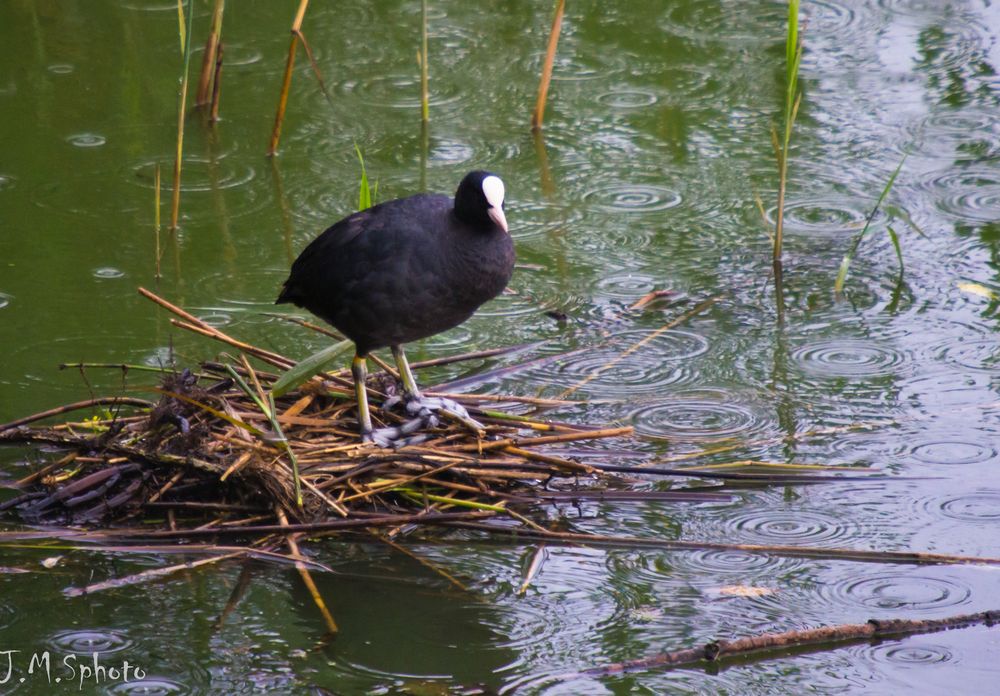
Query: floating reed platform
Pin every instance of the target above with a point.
(217, 454)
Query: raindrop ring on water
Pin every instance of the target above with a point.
(847, 358)
(892, 591)
(788, 526)
(953, 452)
(83, 642)
(632, 198)
(87, 140)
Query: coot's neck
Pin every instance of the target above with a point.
(472, 213)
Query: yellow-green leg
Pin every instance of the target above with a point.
(359, 369)
(405, 374)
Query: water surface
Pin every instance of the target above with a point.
(655, 146)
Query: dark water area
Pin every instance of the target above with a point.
(656, 144)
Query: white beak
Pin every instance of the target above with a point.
(497, 216)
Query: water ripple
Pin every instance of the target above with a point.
(108, 273)
(961, 123)
(953, 452)
(165, 6)
(975, 354)
(867, 447)
(150, 686)
(740, 563)
(402, 91)
(542, 219)
(953, 49)
(212, 187)
(897, 590)
(453, 340)
(86, 140)
(913, 8)
(946, 394)
(827, 215)
(833, 17)
(632, 198)
(848, 358)
(569, 68)
(216, 319)
(626, 285)
(482, 154)
(783, 526)
(84, 642)
(701, 21)
(237, 55)
(627, 98)
(647, 370)
(508, 306)
(945, 133)
(906, 655)
(199, 173)
(970, 194)
(981, 506)
(250, 288)
(704, 415)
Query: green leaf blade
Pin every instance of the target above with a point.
(307, 367)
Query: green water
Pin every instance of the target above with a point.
(655, 146)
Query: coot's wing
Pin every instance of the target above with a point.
(372, 259)
(325, 251)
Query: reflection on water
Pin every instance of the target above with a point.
(656, 145)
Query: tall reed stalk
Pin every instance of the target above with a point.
(424, 87)
(286, 82)
(156, 216)
(793, 97)
(185, 32)
(216, 85)
(209, 60)
(550, 56)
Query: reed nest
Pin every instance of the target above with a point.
(207, 449)
(218, 453)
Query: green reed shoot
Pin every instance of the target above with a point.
(838, 285)
(181, 24)
(366, 193)
(185, 31)
(793, 97)
(307, 367)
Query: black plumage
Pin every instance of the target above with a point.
(406, 269)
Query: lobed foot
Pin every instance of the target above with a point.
(425, 412)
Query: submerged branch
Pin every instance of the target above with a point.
(825, 638)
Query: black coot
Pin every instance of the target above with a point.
(404, 270)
